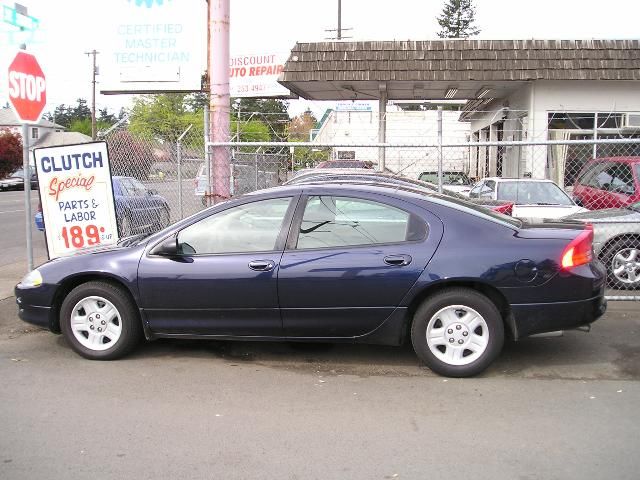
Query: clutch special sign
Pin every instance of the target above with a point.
(77, 197)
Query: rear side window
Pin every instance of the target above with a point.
(330, 222)
(622, 181)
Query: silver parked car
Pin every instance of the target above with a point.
(616, 242)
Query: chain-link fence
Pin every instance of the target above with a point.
(574, 176)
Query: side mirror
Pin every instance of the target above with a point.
(167, 248)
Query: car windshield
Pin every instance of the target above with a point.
(532, 193)
(448, 178)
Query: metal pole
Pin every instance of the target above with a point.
(440, 148)
(595, 135)
(382, 125)
(207, 149)
(339, 20)
(27, 192)
(219, 99)
(179, 152)
(93, 95)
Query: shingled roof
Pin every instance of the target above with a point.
(461, 61)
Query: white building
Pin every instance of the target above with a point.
(553, 110)
(353, 126)
(515, 90)
(37, 132)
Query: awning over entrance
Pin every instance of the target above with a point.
(450, 69)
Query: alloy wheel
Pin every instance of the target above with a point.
(457, 335)
(96, 323)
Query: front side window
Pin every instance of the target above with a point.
(252, 227)
(343, 221)
(603, 177)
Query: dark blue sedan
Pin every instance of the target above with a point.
(138, 209)
(333, 262)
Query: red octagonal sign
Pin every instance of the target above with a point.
(27, 88)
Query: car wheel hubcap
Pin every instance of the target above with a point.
(457, 335)
(625, 266)
(96, 323)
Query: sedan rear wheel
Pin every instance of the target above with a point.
(457, 332)
(623, 265)
(100, 321)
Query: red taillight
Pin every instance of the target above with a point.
(580, 250)
(506, 209)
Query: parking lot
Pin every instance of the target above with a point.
(549, 408)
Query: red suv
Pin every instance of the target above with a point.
(608, 183)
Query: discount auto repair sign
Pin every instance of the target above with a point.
(77, 197)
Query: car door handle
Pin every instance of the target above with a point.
(397, 260)
(262, 265)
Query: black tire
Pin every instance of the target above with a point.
(608, 259)
(467, 298)
(128, 319)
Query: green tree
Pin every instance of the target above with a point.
(67, 115)
(10, 152)
(163, 117)
(458, 19)
(272, 112)
(83, 125)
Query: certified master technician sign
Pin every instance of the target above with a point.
(77, 197)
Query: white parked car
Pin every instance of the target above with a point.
(531, 198)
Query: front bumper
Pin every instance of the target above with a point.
(530, 319)
(35, 305)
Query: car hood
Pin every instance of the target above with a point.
(609, 215)
(545, 211)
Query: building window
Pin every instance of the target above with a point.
(584, 126)
(34, 133)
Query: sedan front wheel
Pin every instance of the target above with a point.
(457, 332)
(99, 321)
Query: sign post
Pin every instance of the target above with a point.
(28, 97)
(77, 197)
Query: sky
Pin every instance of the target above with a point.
(69, 28)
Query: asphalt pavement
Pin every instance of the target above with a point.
(549, 408)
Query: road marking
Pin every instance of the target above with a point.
(12, 211)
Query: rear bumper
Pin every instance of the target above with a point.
(529, 319)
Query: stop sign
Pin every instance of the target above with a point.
(27, 88)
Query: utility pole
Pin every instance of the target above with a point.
(339, 19)
(338, 30)
(219, 99)
(94, 71)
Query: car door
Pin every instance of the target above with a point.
(224, 280)
(349, 262)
